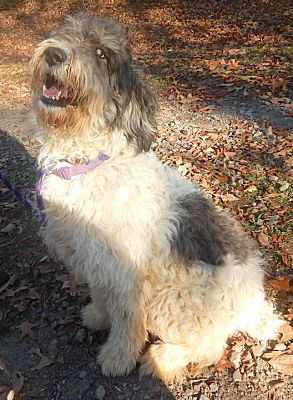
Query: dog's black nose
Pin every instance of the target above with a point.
(54, 55)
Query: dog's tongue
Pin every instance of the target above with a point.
(51, 91)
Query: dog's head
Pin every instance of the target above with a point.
(84, 83)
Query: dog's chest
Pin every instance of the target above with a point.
(70, 194)
(85, 217)
(91, 199)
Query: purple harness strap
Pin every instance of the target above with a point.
(63, 172)
(68, 172)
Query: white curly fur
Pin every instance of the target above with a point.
(114, 227)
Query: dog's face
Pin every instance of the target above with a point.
(83, 81)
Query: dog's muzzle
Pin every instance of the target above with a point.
(55, 92)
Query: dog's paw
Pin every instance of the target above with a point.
(115, 361)
(95, 319)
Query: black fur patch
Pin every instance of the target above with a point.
(205, 234)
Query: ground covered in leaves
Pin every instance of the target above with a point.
(221, 70)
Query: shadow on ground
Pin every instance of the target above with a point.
(44, 350)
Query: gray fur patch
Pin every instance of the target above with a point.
(205, 234)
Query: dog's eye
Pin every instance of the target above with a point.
(100, 53)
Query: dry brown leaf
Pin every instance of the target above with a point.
(247, 356)
(223, 178)
(204, 108)
(263, 239)
(232, 64)
(273, 195)
(17, 381)
(278, 83)
(26, 329)
(276, 238)
(32, 294)
(283, 363)
(59, 359)
(32, 393)
(228, 197)
(238, 345)
(230, 154)
(213, 64)
(283, 152)
(179, 160)
(289, 316)
(285, 284)
(278, 132)
(9, 228)
(289, 161)
(275, 384)
(251, 188)
(246, 77)
(272, 354)
(284, 187)
(287, 332)
(223, 363)
(44, 362)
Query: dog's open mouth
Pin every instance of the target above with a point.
(54, 93)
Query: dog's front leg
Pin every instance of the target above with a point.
(128, 332)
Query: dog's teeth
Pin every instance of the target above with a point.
(58, 95)
(44, 88)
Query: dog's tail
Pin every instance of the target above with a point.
(166, 361)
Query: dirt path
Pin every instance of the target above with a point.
(228, 134)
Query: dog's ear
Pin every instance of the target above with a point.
(138, 119)
(135, 103)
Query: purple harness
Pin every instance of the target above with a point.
(66, 173)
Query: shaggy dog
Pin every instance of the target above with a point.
(156, 254)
